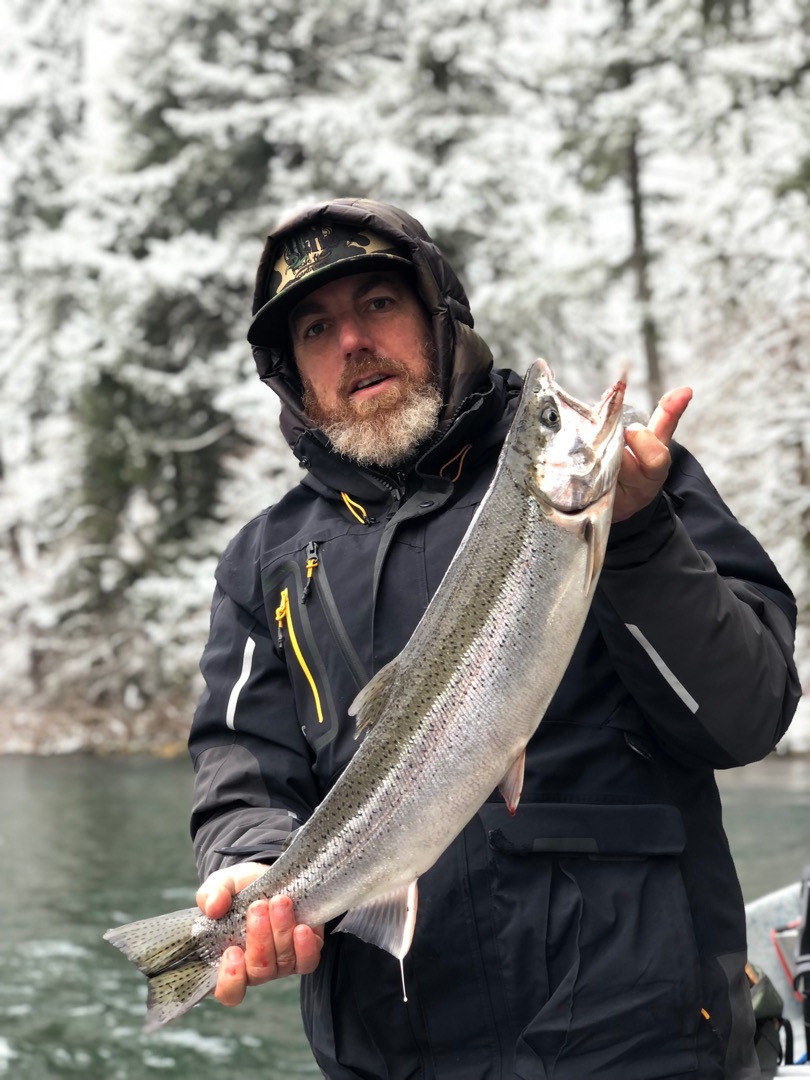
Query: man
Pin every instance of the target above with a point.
(532, 957)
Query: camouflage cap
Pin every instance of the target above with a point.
(311, 257)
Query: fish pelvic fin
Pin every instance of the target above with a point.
(512, 784)
(165, 951)
(387, 921)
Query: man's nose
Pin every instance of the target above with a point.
(354, 336)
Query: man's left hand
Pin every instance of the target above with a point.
(646, 458)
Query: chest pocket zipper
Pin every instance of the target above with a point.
(330, 610)
(284, 614)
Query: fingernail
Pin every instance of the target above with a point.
(231, 959)
(259, 910)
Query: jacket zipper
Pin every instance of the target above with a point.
(330, 610)
(284, 614)
(312, 564)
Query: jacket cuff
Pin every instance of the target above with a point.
(640, 537)
(266, 851)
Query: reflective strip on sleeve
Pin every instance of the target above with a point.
(666, 672)
(247, 663)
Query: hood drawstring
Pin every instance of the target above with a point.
(356, 510)
(460, 458)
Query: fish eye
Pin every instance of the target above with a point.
(550, 415)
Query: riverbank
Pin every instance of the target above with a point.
(162, 731)
(45, 732)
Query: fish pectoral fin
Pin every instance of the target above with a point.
(386, 921)
(512, 784)
(372, 699)
(595, 535)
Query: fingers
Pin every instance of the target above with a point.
(275, 946)
(646, 457)
(668, 413)
(308, 943)
(214, 899)
(214, 896)
(269, 949)
(232, 981)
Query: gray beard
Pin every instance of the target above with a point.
(388, 437)
(386, 430)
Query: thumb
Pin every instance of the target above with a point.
(668, 412)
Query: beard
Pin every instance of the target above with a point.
(384, 430)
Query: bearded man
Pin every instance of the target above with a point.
(535, 954)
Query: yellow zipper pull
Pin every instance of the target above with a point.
(312, 564)
(282, 611)
(356, 510)
(283, 614)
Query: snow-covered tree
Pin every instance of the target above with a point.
(611, 178)
(41, 116)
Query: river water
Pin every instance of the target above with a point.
(87, 843)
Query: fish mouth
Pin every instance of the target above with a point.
(587, 469)
(609, 411)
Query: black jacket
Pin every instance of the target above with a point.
(600, 932)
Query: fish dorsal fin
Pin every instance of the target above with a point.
(512, 784)
(372, 699)
(386, 921)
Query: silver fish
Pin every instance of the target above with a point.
(448, 720)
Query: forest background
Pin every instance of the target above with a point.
(616, 181)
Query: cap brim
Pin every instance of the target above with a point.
(269, 325)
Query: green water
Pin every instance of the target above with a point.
(87, 843)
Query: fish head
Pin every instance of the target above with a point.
(573, 449)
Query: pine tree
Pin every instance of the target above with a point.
(41, 114)
(609, 177)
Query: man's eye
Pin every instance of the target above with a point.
(379, 303)
(313, 330)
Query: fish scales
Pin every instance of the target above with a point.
(448, 720)
(495, 655)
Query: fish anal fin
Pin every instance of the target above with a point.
(369, 704)
(512, 784)
(386, 921)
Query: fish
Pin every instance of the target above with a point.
(447, 721)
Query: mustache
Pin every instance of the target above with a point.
(370, 365)
(345, 407)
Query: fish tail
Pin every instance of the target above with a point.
(164, 950)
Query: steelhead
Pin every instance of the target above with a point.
(448, 720)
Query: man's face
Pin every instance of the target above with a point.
(363, 348)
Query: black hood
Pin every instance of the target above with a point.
(463, 357)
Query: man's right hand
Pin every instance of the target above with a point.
(275, 944)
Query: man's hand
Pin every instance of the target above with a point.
(646, 459)
(275, 944)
